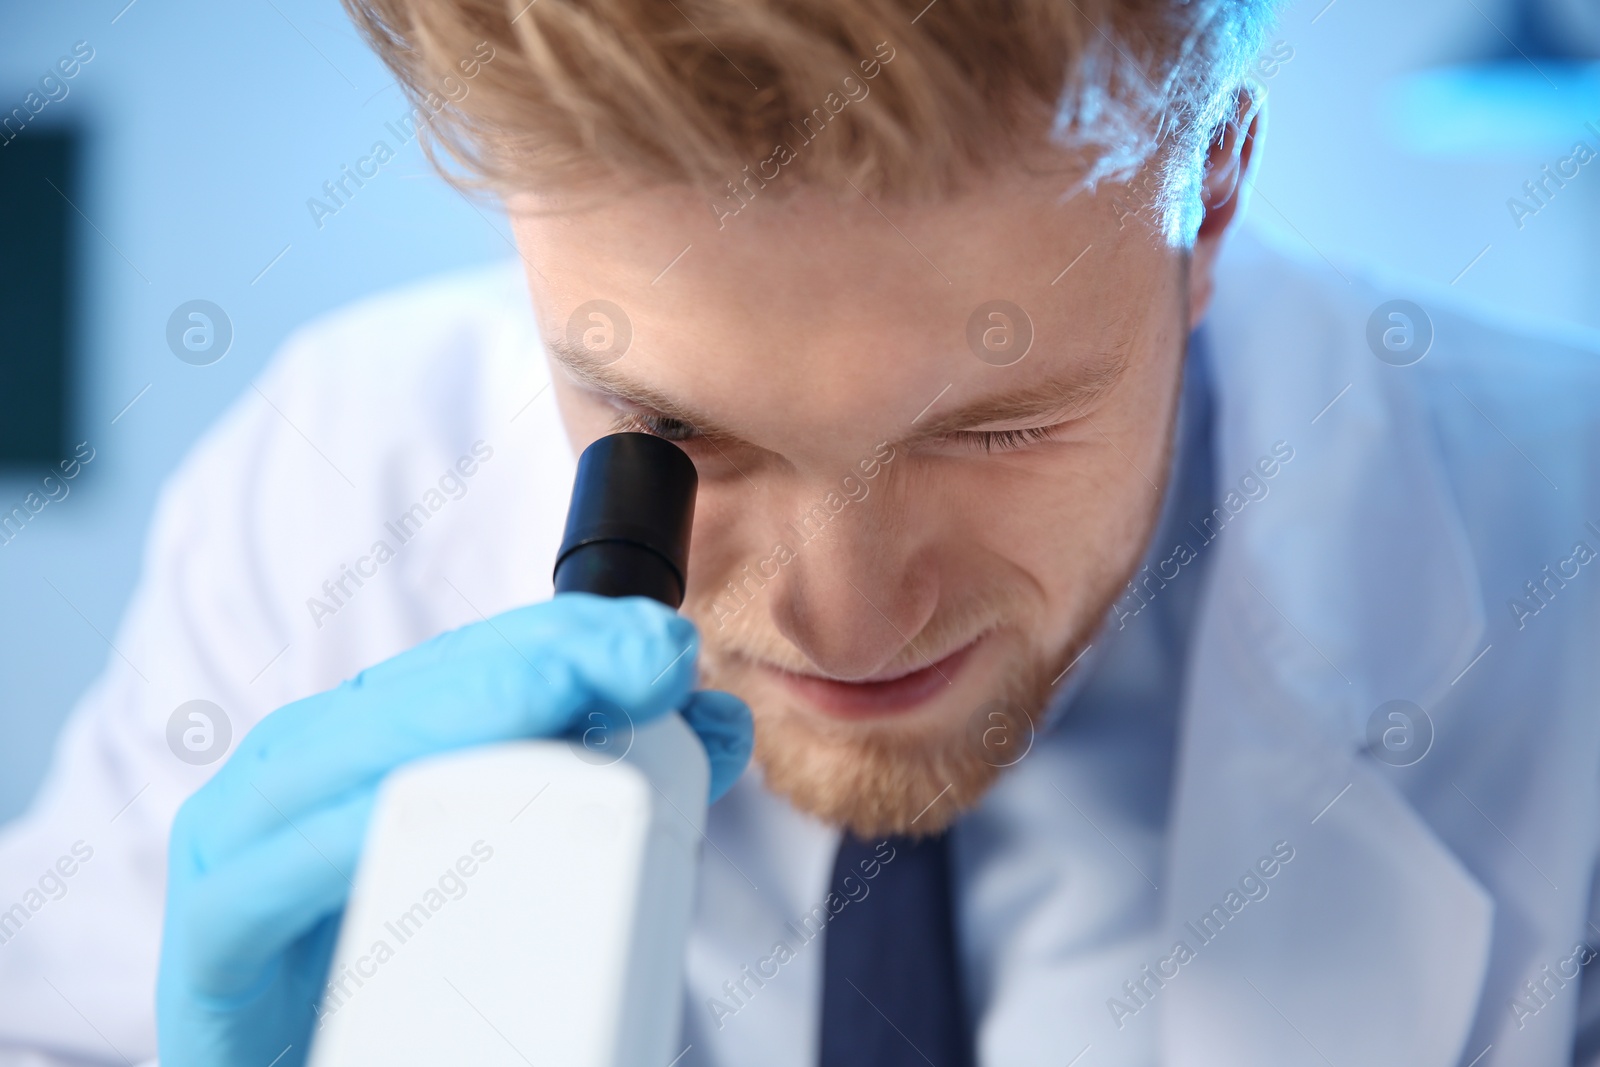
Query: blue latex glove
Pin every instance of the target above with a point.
(261, 856)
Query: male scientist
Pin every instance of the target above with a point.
(1196, 646)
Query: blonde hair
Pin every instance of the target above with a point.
(571, 95)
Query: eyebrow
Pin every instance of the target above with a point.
(594, 371)
(1056, 399)
(1052, 400)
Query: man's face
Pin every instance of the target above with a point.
(902, 537)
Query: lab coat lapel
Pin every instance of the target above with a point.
(1348, 585)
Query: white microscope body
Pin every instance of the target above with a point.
(523, 904)
(529, 903)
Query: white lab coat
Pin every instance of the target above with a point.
(1382, 566)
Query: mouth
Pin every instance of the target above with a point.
(874, 697)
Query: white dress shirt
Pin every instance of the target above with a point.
(1217, 728)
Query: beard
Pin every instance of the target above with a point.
(915, 772)
(909, 773)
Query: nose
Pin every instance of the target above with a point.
(854, 597)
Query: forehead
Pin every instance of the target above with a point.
(811, 309)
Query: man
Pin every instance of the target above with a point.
(1217, 629)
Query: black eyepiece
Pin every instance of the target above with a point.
(628, 527)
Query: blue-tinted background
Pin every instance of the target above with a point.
(1398, 132)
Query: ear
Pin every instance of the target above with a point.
(1227, 170)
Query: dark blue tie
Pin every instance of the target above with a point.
(891, 986)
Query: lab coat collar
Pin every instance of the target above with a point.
(1349, 584)
(1361, 585)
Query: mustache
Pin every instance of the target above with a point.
(754, 638)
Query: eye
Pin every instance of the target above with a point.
(657, 425)
(679, 431)
(1002, 440)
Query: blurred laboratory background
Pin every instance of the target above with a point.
(169, 175)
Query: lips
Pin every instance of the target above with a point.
(877, 697)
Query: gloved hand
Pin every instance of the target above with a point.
(262, 855)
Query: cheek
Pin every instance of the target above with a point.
(735, 539)
(1068, 519)
(1059, 517)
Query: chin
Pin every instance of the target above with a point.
(904, 752)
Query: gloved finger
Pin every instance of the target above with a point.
(532, 672)
(520, 674)
(572, 626)
(723, 722)
(265, 1025)
(235, 921)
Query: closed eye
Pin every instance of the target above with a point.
(1002, 440)
(665, 427)
(682, 432)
